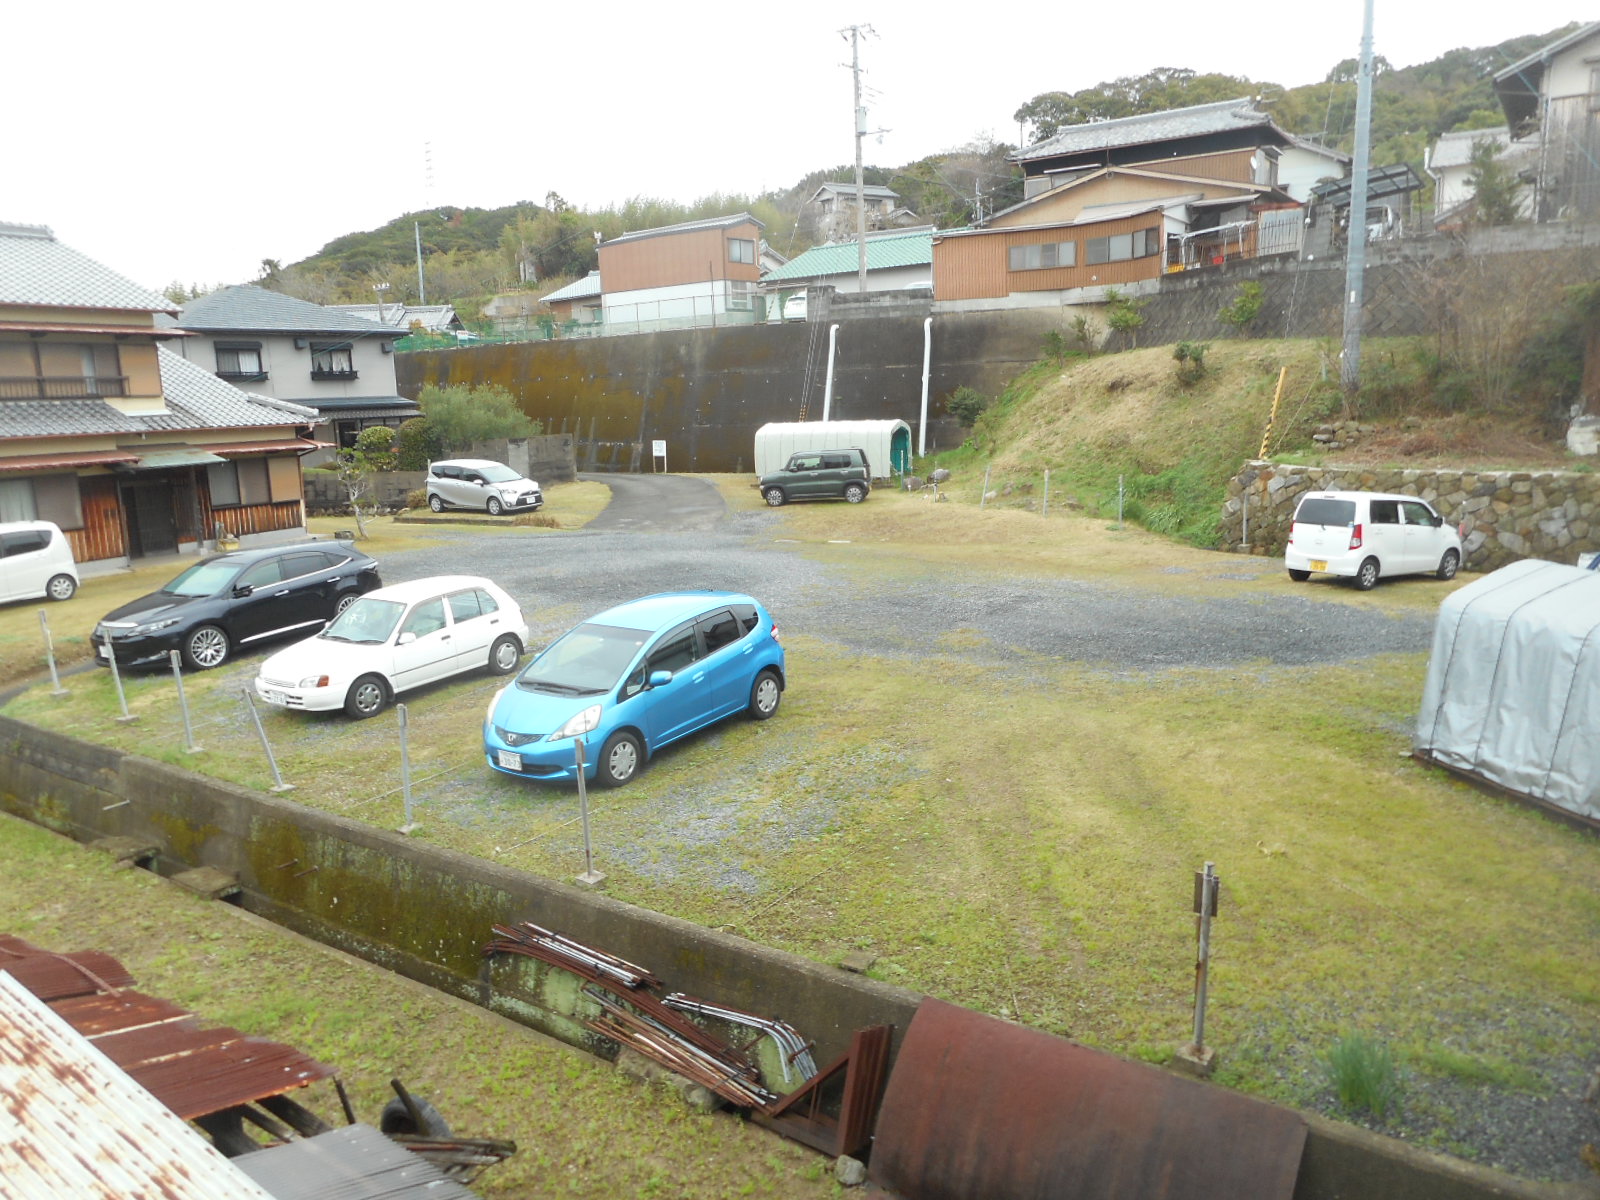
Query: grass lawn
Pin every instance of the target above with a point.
(1023, 839)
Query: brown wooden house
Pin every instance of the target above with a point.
(696, 273)
(129, 448)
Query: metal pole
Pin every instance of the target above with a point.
(590, 877)
(176, 660)
(1119, 501)
(1244, 518)
(116, 678)
(405, 770)
(50, 656)
(1355, 263)
(983, 497)
(927, 357)
(278, 785)
(827, 387)
(422, 288)
(1208, 892)
(861, 132)
(1045, 511)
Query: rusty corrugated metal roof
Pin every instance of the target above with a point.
(191, 1069)
(74, 1124)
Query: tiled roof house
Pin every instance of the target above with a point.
(130, 449)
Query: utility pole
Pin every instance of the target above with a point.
(1355, 262)
(422, 288)
(855, 32)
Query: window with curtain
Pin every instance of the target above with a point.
(332, 360)
(16, 500)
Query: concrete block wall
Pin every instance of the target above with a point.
(1505, 515)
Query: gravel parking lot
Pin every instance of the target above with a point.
(561, 578)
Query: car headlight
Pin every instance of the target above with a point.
(509, 493)
(488, 713)
(314, 681)
(154, 626)
(580, 724)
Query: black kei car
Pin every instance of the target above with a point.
(235, 599)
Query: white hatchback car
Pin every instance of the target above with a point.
(396, 638)
(35, 560)
(1365, 536)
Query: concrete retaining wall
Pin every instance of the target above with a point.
(425, 912)
(1507, 515)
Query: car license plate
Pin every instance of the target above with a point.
(274, 697)
(509, 759)
(1319, 564)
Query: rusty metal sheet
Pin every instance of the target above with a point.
(111, 1012)
(977, 1106)
(52, 976)
(220, 1077)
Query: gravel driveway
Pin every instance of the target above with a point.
(664, 533)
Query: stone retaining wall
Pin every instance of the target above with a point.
(1505, 515)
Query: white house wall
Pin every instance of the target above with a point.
(289, 368)
(677, 302)
(1301, 170)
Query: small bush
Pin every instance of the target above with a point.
(966, 405)
(1086, 333)
(536, 521)
(1055, 346)
(375, 444)
(1363, 1075)
(1191, 358)
(416, 445)
(1124, 315)
(417, 498)
(1245, 307)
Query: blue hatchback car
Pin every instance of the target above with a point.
(632, 680)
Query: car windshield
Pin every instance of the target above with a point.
(367, 621)
(585, 662)
(1321, 510)
(203, 579)
(495, 473)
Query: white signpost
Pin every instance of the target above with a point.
(658, 452)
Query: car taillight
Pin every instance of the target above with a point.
(1355, 537)
(775, 634)
(1291, 534)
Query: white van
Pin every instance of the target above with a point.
(1367, 535)
(35, 560)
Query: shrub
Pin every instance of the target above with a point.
(1245, 307)
(417, 498)
(1363, 1075)
(1055, 346)
(462, 414)
(1086, 333)
(375, 445)
(966, 405)
(417, 445)
(1124, 315)
(1191, 358)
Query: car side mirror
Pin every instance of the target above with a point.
(244, 589)
(406, 639)
(658, 678)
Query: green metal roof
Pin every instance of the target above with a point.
(913, 248)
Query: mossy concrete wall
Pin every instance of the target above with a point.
(1506, 515)
(425, 912)
(705, 392)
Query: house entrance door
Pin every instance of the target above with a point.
(152, 526)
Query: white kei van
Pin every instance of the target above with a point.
(35, 560)
(1365, 536)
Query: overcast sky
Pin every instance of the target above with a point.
(186, 142)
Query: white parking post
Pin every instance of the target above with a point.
(1045, 510)
(590, 877)
(405, 771)
(116, 678)
(983, 496)
(50, 656)
(1119, 501)
(183, 702)
(278, 785)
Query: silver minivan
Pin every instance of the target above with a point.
(35, 560)
(482, 484)
(1365, 536)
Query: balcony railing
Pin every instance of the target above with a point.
(325, 373)
(55, 387)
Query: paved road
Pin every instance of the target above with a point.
(667, 532)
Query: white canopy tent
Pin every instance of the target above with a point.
(1512, 694)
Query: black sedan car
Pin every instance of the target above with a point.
(236, 599)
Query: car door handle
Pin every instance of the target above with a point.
(285, 592)
(699, 675)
